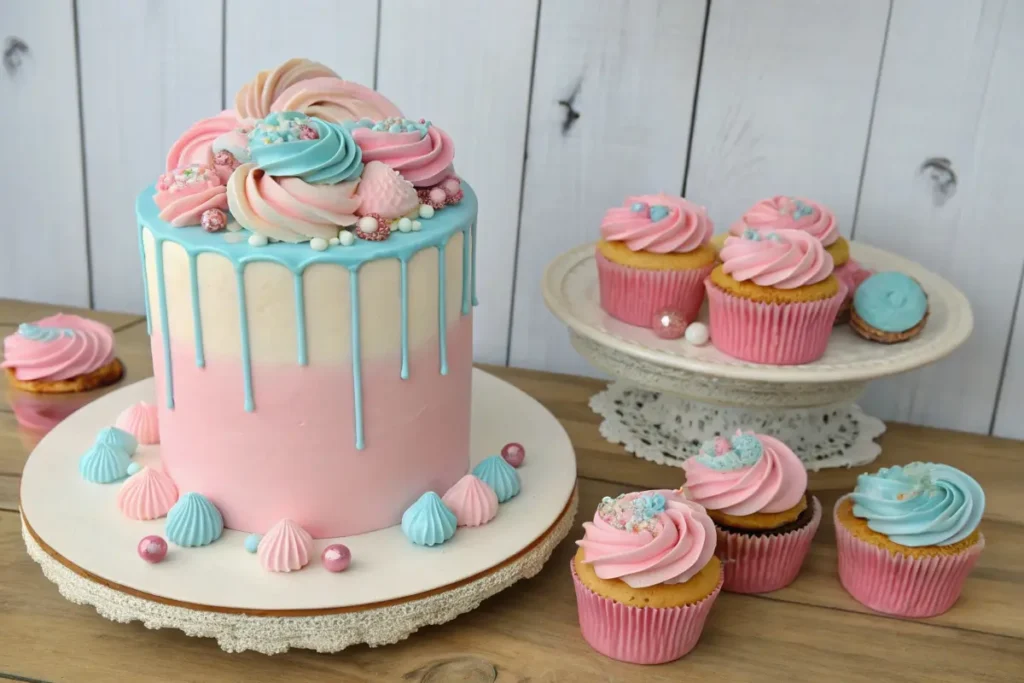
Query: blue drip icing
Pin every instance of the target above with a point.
(466, 296)
(145, 280)
(442, 327)
(300, 320)
(357, 363)
(243, 320)
(165, 335)
(473, 272)
(405, 319)
(197, 319)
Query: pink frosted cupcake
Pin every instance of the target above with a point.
(755, 489)
(908, 537)
(653, 257)
(774, 298)
(646, 576)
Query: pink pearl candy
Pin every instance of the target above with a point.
(214, 220)
(514, 454)
(308, 133)
(336, 558)
(669, 324)
(152, 549)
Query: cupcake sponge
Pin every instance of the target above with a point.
(618, 252)
(700, 586)
(819, 291)
(859, 528)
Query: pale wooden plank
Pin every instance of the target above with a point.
(151, 70)
(633, 69)
(785, 103)
(1009, 421)
(260, 34)
(465, 65)
(43, 257)
(950, 87)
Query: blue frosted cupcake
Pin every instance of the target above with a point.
(889, 308)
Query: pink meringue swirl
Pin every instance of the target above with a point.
(290, 209)
(775, 482)
(670, 546)
(195, 146)
(423, 160)
(182, 195)
(784, 259)
(335, 100)
(790, 213)
(254, 99)
(685, 227)
(58, 347)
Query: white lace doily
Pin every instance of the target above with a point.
(668, 429)
(325, 633)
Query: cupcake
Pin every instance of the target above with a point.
(61, 354)
(908, 537)
(653, 257)
(646, 576)
(889, 308)
(755, 490)
(774, 298)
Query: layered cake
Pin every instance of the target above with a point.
(309, 270)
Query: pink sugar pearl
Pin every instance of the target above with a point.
(336, 558)
(152, 549)
(214, 220)
(308, 133)
(669, 324)
(514, 454)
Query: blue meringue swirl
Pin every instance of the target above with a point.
(275, 146)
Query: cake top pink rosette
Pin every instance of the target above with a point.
(784, 259)
(648, 538)
(745, 474)
(218, 141)
(419, 150)
(58, 347)
(658, 223)
(184, 194)
(790, 213)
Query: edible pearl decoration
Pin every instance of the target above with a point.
(698, 334)
(334, 241)
(152, 549)
(426, 211)
(336, 558)
(346, 239)
(514, 454)
(404, 224)
(416, 226)
(668, 324)
(252, 543)
(133, 468)
(318, 244)
(367, 224)
(258, 240)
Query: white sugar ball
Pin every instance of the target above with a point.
(367, 224)
(346, 239)
(416, 226)
(318, 244)
(404, 224)
(426, 211)
(334, 241)
(697, 334)
(258, 240)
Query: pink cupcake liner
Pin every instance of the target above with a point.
(636, 295)
(897, 584)
(761, 564)
(639, 635)
(778, 334)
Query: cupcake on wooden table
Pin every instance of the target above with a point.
(61, 354)
(908, 537)
(774, 298)
(654, 256)
(755, 489)
(646, 576)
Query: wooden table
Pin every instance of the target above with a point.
(810, 631)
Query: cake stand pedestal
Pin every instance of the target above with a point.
(74, 530)
(670, 395)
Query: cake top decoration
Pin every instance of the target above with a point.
(58, 347)
(790, 213)
(658, 223)
(784, 259)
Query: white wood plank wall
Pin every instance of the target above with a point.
(901, 115)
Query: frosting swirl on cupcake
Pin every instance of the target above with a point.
(293, 144)
(920, 504)
(790, 213)
(58, 347)
(784, 259)
(254, 99)
(182, 195)
(648, 538)
(745, 474)
(195, 146)
(658, 223)
(419, 150)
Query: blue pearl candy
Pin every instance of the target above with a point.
(252, 542)
(658, 212)
(638, 207)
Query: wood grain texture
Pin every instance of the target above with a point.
(950, 89)
(151, 70)
(465, 65)
(629, 71)
(260, 34)
(43, 257)
(785, 104)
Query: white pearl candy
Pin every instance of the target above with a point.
(334, 241)
(426, 211)
(346, 239)
(367, 224)
(404, 224)
(318, 244)
(697, 334)
(416, 226)
(258, 240)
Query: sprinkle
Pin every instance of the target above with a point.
(404, 224)
(318, 244)
(258, 240)
(658, 212)
(346, 238)
(416, 226)
(426, 211)
(334, 241)
(640, 208)
(751, 234)
(214, 220)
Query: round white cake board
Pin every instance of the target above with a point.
(688, 394)
(75, 531)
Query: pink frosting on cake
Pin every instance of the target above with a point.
(790, 213)
(289, 209)
(776, 482)
(254, 99)
(195, 146)
(184, 194)
(147, 494)
(386, 193)
(423, 160)
(335, 100)
(667, 545)
(473, 502)
(685, 227)
(140, 420)
(784, 259)
(285, 548)
(58, 347)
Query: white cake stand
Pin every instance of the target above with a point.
(74, 530)
(671, 395)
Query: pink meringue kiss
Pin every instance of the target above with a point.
(473, 502)
(382, 190)
(148, 494)
(285, 548)
(152, 549)
(336, 558)
(186, 193)
(140, 421)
